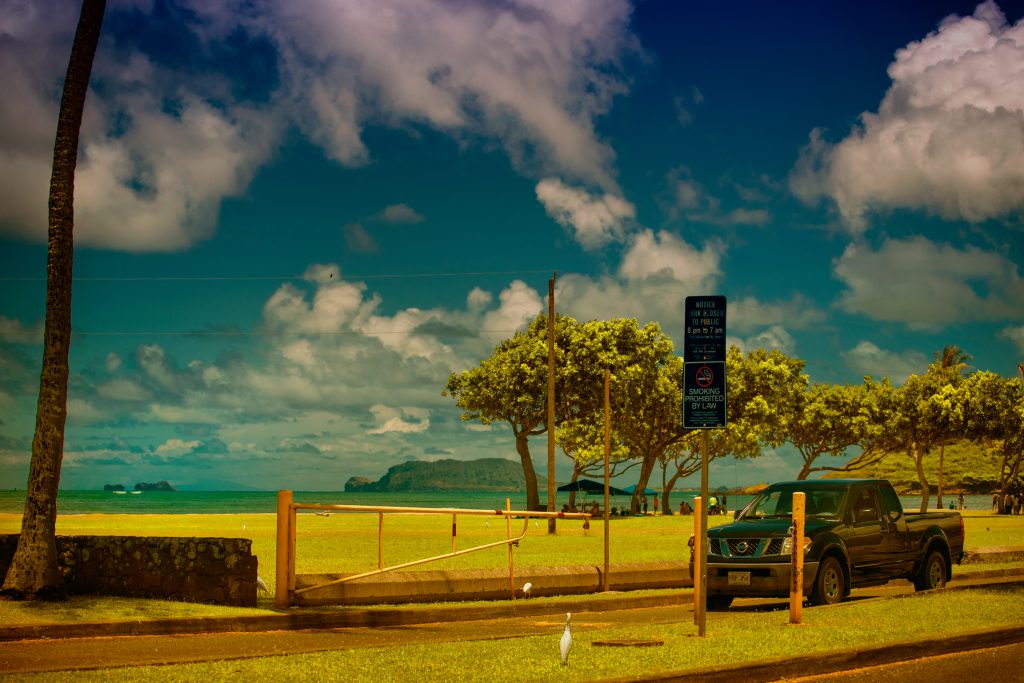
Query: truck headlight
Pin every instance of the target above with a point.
(787, 545)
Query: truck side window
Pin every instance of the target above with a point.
(865, 507)
(890, 502)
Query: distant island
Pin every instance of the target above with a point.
(142, 486)
(485, 474)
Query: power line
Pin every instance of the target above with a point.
(281, 278)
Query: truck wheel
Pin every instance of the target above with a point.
(829, 584)
(719, 603)
(933, 573)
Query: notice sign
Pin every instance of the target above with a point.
(704, 398)
(705, 329)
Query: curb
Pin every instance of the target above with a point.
(368, 618)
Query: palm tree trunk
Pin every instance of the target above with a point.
(34, 572)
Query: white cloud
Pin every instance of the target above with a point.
(948, 136)
(113, 362)
(747, 314)
(399, 213)
(594, 220)
(519, 304)
(775, 337)
(123, 389)
(924, 284)
(1015, 335)
(176, 447)
(391, 420)
(665, 256)
(358, 239)
(163, 146)
(866, 358)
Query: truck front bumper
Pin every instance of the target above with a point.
(766, 579)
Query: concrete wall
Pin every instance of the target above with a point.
(489, 584)
(212, 570)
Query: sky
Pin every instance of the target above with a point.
(294, 220)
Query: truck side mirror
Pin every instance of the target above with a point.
(893, 515)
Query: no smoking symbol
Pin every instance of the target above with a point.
(704, 376)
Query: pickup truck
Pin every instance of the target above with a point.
(856, 534)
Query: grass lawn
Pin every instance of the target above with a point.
(731, 638)
(348, 542)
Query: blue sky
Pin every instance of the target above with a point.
(294, 220)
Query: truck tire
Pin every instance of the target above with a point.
(719, 603)
(829, 584)
(933, 572)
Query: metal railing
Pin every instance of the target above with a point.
(286, 532)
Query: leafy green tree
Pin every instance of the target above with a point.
(993, 413)
(952, 361)
(33, 572)
(643, 376)
(511, 386)
(763, 391)
(832, 419)
(924, 416)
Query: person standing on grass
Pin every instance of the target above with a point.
(655, 505)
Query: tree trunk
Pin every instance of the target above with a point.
(646, 467)
(918, 456)
(523, 448)
(942, 456)
(33, 572)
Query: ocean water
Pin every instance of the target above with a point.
(232, 502)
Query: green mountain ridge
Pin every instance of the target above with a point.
(485, 474)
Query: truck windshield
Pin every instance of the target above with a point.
(772, 502)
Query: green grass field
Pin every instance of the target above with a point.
(731, 638)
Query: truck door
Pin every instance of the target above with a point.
(866, 530)
(895, 547)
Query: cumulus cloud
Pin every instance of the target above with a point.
(392, 420)
(866, 358)
(666, 256)
(176, 447)
(164, 143)
(593, 220)
(689, 200)
(518, 305)
(358, 239)
(925, 284)
(747, 313)
(1015, 335)
(399, 214)
(948, 137)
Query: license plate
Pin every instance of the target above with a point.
(739, 578)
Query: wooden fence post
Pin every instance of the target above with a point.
(796, 585)
(282, 598)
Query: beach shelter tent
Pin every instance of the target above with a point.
(590, 486)
(647, 491)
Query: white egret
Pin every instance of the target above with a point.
(526, 589)
(262, 585)
(565, 644)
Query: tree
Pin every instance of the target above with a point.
(33, 572)
(993, 413)
(834, 417)
(511, 386)
(952, 360)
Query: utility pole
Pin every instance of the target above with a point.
(551, 400)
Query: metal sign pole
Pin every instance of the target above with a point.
(703, 540)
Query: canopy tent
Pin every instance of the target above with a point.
(647, 492)
(591, 487)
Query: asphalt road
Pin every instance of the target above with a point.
(1004, 664)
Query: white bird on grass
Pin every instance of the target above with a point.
(262, 585)
(565, 644)
(526, 589)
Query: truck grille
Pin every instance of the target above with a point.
(745, 547)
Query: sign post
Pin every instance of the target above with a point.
(704, 407)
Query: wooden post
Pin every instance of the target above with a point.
(282, 600)
(607, 474)
(380, 540)
(292, 528)
(796, 586)
(698, 559)
(508, 534)
(551, 401)
(454, 533)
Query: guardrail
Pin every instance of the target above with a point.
(286, 532)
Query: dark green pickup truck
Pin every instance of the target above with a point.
(856, 534)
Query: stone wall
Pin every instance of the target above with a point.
(212, 570)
